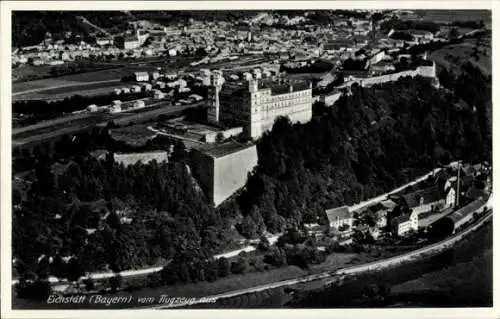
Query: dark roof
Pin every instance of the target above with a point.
(277, 88)
(429, 218)
(442, 176)
(340, 212)
(474, 193)
(401, 219)
(466, 210)
(429, 195)
(221, 150)
(337, 44)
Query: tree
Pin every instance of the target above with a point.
(74, 271)
(453, 34)
(264, 244)
(277, 257)
(224, 267)
(115, 283)
(240, 266)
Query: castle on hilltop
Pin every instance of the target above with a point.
(257, 105)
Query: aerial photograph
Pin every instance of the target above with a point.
(224, 159)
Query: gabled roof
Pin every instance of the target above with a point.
(429, 195)
(388, 204)
(340, 212)
(401, 219)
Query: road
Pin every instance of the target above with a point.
(84, 20)
(384, 196)
(345, 271)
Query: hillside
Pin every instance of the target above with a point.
(373, 141)
(476, 51)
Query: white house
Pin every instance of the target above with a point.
(141, 76)
(339, 216)
(450, 197)
(424, 200)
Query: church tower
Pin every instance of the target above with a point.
(216, 81)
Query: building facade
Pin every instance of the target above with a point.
(256, 107)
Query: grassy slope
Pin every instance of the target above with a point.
(452, 56)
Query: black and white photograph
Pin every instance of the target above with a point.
(249, 158)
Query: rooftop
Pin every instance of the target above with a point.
(340, 212)
(427, 195)
(221, 150)
(429, 218)
(467, 210)
(401, 219)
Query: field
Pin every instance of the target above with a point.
(458, 277)
(468, 281)
(104, 75)
(452, 56)
(68, 89)
(447, 16)
(229, 283)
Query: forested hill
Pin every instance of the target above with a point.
(369, 143)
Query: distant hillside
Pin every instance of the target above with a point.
(30, 27)
(476, 51)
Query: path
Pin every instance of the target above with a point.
(272, 239)
(345, 271)
(84, 20)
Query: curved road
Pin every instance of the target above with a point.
(341, 272)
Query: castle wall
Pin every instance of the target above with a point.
(132, 158)
(231, 172)
(202, 168)
(425, 71)
(220, 177)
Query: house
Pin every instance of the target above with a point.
(402, 224)
(382, 67)
(336, 46)
(386, 207)
(427, 219)
(339, 216)
(421, 35)
(141, 76)
(377, 57)
(424, 200)
(451, 197)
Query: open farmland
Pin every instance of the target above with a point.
(59, 93)
(448, 16)
(477, 51)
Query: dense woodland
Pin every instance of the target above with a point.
(373, 141)
(370, 142)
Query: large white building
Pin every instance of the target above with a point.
(256, 105)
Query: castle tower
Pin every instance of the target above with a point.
(253, 85)
(216, 81)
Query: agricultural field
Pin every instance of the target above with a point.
(468, 281)
(103, 75)
(448, 16)
(477, 51)
(70, 89)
